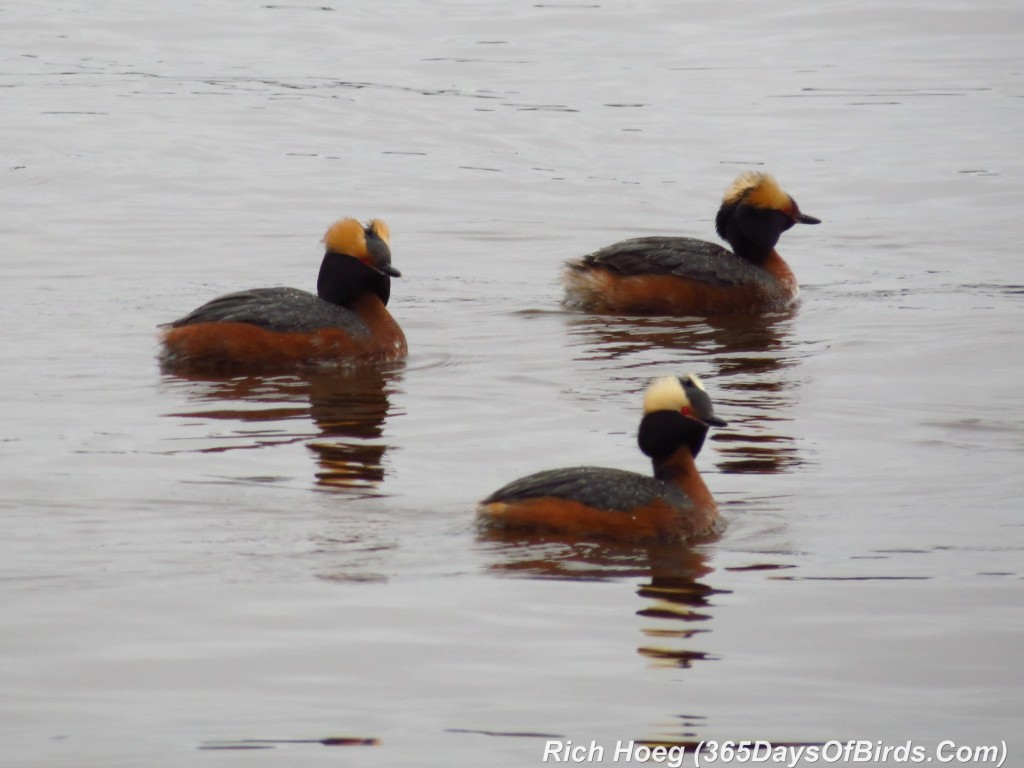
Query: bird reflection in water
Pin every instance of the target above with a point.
(347, 407)
(676, 599)
(751, 358)
(677, 602)
(680, 603)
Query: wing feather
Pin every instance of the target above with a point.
(684, 257)
(597, 487)
(286, 310)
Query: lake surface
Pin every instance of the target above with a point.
(286, 571)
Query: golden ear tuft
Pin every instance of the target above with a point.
(665, 394)
(346, 236)
(758, 189)
(380, 228)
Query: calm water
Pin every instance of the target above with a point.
(199, 572)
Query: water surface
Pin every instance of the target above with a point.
(232, 572)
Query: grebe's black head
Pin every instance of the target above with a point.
(357, 259)
(677, 412)
(754, 214)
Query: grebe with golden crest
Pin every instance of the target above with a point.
(597, 502)
(686, 276)
(265, 329)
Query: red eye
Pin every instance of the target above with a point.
(686, 411)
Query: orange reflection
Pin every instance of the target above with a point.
(338, 414)
(677, 602)
(680, 605)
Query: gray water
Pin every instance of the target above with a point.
(199, 572)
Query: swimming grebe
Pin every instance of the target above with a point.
(685, 276)
(281, 328)
(675, 504)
